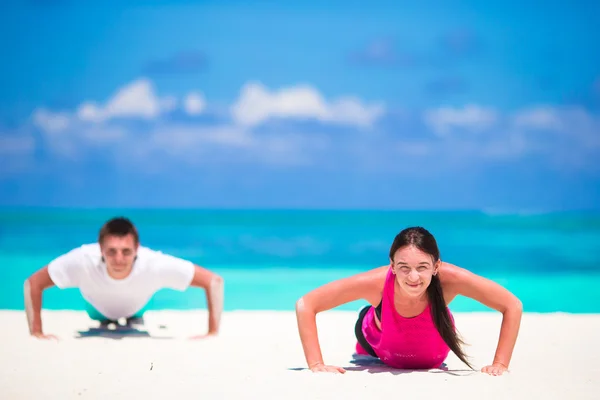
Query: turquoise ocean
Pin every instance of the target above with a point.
(269, 258)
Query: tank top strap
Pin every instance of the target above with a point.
(388, 288)
(387, 298)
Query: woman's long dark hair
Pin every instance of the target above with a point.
(424, 241)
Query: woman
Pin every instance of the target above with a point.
(411, 327)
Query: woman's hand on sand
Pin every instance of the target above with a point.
(495, 369)
(327, 368)
(41, 335)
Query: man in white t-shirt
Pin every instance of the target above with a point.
(117, 277)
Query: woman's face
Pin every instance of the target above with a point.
(413, 269)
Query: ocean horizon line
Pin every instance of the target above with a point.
(488, 211)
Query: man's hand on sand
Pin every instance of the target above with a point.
(327, 368)
(495, 369)
(204, 336)
(41, 335)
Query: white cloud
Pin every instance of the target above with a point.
(500, 148)
(135, 100)
(188, 138)
(471, 117)
(195, 144)
(552, 132)
(90, 112)
(51, 122)
(257, 104)
(574, 125)
(194, 103)
(538, 118)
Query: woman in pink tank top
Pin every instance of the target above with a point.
(401, 342)
(409, 324)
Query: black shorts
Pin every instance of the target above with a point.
(359, 333)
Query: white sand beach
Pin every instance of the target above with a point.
(259, 356)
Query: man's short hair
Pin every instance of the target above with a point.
(119, 226)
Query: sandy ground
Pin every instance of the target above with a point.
(258, 355)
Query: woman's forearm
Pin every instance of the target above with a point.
(307, 328)
(509, 330)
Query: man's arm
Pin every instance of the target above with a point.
(32, 290)
(214, 287)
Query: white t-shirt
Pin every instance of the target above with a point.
(83, 268)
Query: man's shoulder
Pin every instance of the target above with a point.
(158, 258)
(89, 251)
(90, 248)
(84, 250)
(144, 251)
(84, 255)
(149, 255)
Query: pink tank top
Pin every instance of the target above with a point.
(405, 343)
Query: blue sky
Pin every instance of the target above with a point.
(435, 105)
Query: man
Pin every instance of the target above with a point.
(117, 277)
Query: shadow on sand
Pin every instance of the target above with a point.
(374, 365)
(117, 332)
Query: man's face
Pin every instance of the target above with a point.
(119, 254)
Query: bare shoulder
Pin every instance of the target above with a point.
(460, 281)
(451, 277)
(366, 285)
(451, 274)
(373, 281)
(375, 275)
(370, 281)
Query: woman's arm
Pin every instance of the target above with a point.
(494, 296)
(367, 285)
